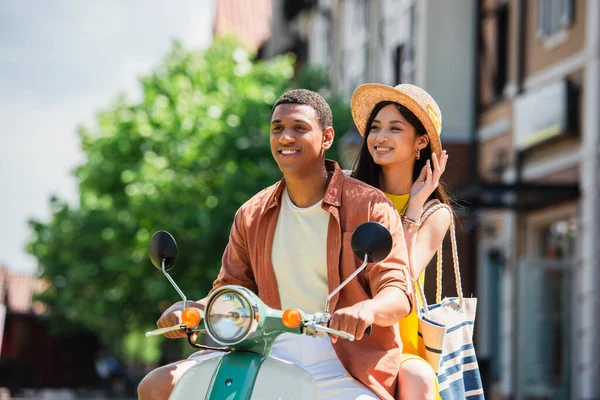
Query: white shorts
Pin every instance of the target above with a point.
(317, 356)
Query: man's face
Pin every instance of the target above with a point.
(297, 141)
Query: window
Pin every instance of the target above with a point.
(365, 6)
(408, 70)
(495, 263)
(356, 43)
(398, 61)
(493, 53)
(553, 16)
(546, 294)
(501, 51)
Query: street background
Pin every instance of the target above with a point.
(123, 118)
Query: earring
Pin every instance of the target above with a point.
(418, 154)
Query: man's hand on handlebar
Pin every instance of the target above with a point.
(172, 317)
(354, 320)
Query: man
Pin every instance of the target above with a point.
(290, 244)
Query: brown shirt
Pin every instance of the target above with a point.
(374, 360)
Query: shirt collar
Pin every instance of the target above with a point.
(333, 193)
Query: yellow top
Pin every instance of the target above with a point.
(410, 323)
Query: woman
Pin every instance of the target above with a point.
(401, 154)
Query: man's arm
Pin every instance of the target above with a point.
(235, 270)
(393, 272)
(235, 265)
(389, 281)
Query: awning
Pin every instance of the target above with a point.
(521, 196)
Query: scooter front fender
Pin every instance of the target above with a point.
(275, 380)
(278, 380)
(196, 381)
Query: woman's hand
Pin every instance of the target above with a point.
(429, 179)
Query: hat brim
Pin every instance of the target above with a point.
(367, 96)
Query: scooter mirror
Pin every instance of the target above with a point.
(162, 246)
(373, 239)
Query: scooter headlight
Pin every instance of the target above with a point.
(230, 316)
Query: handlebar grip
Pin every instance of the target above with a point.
(342, 334)
(368, 330)
(162, 331)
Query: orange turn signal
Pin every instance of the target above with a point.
(291, 318)
(191, 317)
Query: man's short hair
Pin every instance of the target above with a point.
(309, 98)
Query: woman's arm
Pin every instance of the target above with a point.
(423, 242)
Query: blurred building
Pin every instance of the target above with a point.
(31, 357)
(248, 21)
(538, 124)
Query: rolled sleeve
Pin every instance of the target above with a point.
(393, 271)
(236, 268)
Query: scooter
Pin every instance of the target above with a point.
(236, 319)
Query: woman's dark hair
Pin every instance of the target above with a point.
(365, 169)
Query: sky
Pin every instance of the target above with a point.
(61, 61)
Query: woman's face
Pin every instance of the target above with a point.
(391, 139)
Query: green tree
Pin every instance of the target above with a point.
(183, 159)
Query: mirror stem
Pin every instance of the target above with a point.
(173, 283)
(348, 279)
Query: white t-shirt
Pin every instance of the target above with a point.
(299, 255)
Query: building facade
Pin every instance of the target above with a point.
(248, 21)
(67, 361)
(538, 124)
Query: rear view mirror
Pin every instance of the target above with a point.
(162, 246)
(372, 239)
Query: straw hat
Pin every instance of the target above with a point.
(417, 100)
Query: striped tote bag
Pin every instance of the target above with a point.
(446, 333)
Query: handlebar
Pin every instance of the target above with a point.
(161, 331)
(315, 323)
(321, 328)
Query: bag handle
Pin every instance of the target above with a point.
(423, 299)
(430, 208)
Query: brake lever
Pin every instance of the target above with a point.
(321, 328)
(161, 331)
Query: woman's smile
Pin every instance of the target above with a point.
(383, 150)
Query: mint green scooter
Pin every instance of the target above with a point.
(238, 320)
